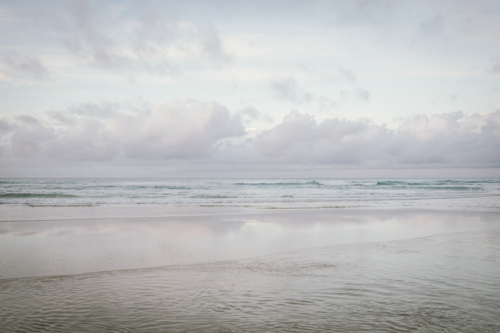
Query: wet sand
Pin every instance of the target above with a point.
(253, 270)
(71, 246)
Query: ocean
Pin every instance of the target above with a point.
(331, 193)
(249, 255)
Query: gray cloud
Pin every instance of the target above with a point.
(361, 12)
(345, 73)
(29, 135)
(446, 139)
(286, 89)
(211, 45)
(433, 27)
(453, 97)
(182, 129)
(327, 105)
(494, 66)
(21, 66)
(187, 130)
(116, 38)
(362, 94)
(250, 114)
(5, 127)
(356, 94)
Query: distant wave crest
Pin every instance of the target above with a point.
(36, 195)
(313, 182)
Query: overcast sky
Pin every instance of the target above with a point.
(269, 88)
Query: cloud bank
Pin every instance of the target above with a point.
(183, 129)
(193, 131)
(450, 139)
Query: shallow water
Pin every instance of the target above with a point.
(73, 246)
(446, 283)
(251, 270)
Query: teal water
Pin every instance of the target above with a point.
(361, 192)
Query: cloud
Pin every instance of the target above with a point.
(154, 36)
(300, 140)
(29, 135)
(211, 45)
(250, 114)
(453, 97)
(291, 135)
(355, 95)
(327, 105)
(346, 74)
(362, 94)
(450, 139)
(192, 131)
(21, 66)
(181, 129)
(286, 89)
(494, 66)
(360, 12)
(112, 37)
(433, 28)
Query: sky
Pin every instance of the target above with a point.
(317, 88)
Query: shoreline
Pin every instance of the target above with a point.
(25, 212)
(74, 246)
(271, 256)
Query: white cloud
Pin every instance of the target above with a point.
(191, 130)
(451, 139)
(182, 129)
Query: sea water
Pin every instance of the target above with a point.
(260, 255)
(333, 193)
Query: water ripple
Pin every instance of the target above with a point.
(445, 283)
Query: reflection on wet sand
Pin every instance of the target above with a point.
(430, 284)
(45, 248)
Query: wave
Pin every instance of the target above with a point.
(391, 182)
(212, 197)
(432, 185)
(453, 188)
(37, 195)
(344, 192)
(313, 182)
(164, 187)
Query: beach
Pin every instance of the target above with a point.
(426, 258)
(249, 166)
